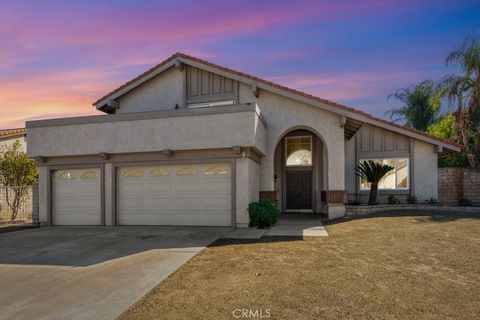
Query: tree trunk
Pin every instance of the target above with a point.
(14, 214)
(472, 160)
(18, 195)
(372, 199)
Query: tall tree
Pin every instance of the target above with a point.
(443, 128)
(17, 172)
(421, 105)
(465, 89)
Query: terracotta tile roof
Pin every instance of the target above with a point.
(6, 133)
(280, 87)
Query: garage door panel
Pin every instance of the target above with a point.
(77, 199)
(175, 195)
(176, 218)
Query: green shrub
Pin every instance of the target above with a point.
(431, 201)
(457, 159)
(393, 200)
(465, 202)
(412, 199)
(263, 214)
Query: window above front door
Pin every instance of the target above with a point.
(298, 151)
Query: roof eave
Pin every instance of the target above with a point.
(277, 89)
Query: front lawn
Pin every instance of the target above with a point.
(391, 267)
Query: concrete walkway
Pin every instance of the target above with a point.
(298, 225)
(90, 272)
(289, 225)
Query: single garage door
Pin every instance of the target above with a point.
(198, 195)
(77, 197)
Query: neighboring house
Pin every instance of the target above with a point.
(193, 143)
(9, 136)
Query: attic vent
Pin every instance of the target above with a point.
(204, 86)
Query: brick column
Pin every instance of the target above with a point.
(335, 203)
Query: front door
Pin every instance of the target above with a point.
(298, 190)
(298, 172)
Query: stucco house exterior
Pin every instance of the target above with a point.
(193, 143)
(10, 136)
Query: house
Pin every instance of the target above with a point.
(9, 136)
(193, 143)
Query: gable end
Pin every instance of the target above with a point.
(205, 86)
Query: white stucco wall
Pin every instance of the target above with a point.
(222, 130)
(283, 115)
(109, 194)
(425, 171)
(7, 142)
(350, 164)
(42, 195)
(162, 92)
(247, 189)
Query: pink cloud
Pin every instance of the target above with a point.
(39, 95)
(346, 86)
(102, 42)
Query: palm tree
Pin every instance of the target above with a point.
(466, 90)
(421, 105)
(372, 172)
(453, 88)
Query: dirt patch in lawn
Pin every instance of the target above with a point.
(391, 267)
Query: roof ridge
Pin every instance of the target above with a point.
(12, 132)
(13, 129)
(367, 115)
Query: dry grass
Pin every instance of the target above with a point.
(393, 267)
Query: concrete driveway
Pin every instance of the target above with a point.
(90, 272)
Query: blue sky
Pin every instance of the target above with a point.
(57, 57)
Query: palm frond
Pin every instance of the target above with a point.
(372, 171)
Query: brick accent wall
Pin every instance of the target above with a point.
(457, 183)
(471, 186)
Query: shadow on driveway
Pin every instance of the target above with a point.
(84, 246)
(90, 272)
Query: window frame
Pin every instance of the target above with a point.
(218, 103)
(286, 151)
(396, 159)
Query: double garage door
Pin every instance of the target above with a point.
(197, 195)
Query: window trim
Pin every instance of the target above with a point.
(388, 189)
(286, 151)
(219, 103)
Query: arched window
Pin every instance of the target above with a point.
(298, 151)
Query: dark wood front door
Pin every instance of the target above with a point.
(298, 190)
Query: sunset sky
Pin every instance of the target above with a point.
(57, 57)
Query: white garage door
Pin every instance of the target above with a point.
(175, 195)
(77, 197)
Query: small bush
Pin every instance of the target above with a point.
(354, 203)
(263, 214)
(431, 201)
(412, 199)
(393, 200)
(465, 202)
